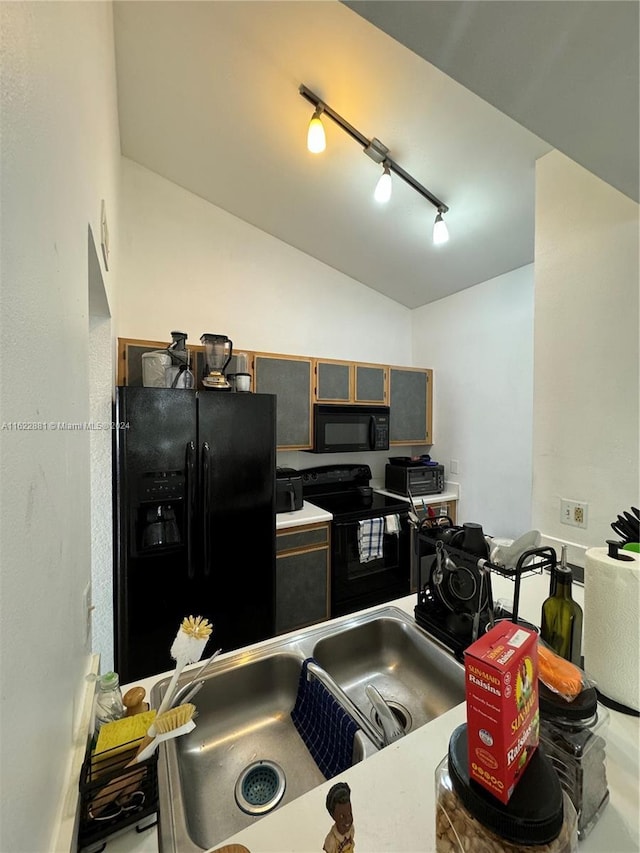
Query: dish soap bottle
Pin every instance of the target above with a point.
(109, 705)
(561, 627)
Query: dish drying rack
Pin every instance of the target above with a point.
(431, 614)
(101, 815)
(543, 558)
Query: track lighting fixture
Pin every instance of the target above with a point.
(382, 193)
(378, 152)
(440, 230)
(316, 139)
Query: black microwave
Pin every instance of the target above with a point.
(346, 429)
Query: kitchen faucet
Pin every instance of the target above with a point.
(379, 738)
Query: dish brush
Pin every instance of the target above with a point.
(187, 648)
(174, 723)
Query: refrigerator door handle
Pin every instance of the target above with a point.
(206, 506)
(191, 486)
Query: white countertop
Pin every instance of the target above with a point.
(309, 514)
(392, 792)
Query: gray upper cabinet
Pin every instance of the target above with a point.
(300, 381)
(370, 384)
(333, 381)
(411, 403)
(289, 378)
(130, 352)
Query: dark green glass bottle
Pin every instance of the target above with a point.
(561, 627)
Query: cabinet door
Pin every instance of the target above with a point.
(333, 381)
(302, 577)
(130, 352)
(289, 378)
(410, 402)
(370, 384)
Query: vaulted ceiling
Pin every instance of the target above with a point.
(208, 98)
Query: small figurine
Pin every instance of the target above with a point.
(341, 837)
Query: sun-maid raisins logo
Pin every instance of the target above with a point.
(524, 682)
(525, 693)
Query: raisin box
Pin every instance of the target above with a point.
(501, 677)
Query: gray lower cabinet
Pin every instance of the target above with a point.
(302, 576)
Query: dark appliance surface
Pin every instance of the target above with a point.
(415, 480)
(288, 490)
(349, 429)
(449, 606)
(344, 491)
(194, 521)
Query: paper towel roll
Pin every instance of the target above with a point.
(612, 624)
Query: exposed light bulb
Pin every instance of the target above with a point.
(383, 189)
(316, 139)
(440, 230)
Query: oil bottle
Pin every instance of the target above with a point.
(561, 626)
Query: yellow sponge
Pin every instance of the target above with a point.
(117, 736)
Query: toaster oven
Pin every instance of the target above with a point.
(288, 490)
(414, 480)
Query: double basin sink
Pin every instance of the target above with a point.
(245, 757)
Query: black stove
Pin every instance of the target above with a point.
(361, 577)
(344, 491)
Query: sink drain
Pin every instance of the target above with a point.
(260, 787)
(403, 717)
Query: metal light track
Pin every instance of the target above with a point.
(361, 139)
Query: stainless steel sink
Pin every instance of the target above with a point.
(245, 756)
(417, 680)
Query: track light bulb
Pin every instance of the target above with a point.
(440, 230)
(316, 139)
(382, 193)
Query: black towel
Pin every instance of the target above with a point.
(325, 727)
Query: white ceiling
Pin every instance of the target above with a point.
(208, 98)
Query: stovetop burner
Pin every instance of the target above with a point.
(342, 490)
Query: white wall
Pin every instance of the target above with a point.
(480, 344)
(59, 159)
(189, 265)
(585, 427)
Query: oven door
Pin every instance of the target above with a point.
(356, 584)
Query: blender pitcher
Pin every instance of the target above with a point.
(218, 352)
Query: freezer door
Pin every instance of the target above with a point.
(237, 460)
(154, 513)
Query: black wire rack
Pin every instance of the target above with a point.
(454, 629)
(114, 796)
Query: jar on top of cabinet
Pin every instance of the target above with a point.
(539, 817)
(573, 736)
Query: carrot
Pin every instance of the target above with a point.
(558, 674)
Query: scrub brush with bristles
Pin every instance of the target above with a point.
(187, 648)
(174, 723)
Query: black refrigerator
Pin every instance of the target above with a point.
(194, 519)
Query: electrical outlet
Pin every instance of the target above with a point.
(453, 466)
(87, 609)
(573, 512)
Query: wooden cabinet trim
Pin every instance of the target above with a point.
(312, 361)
